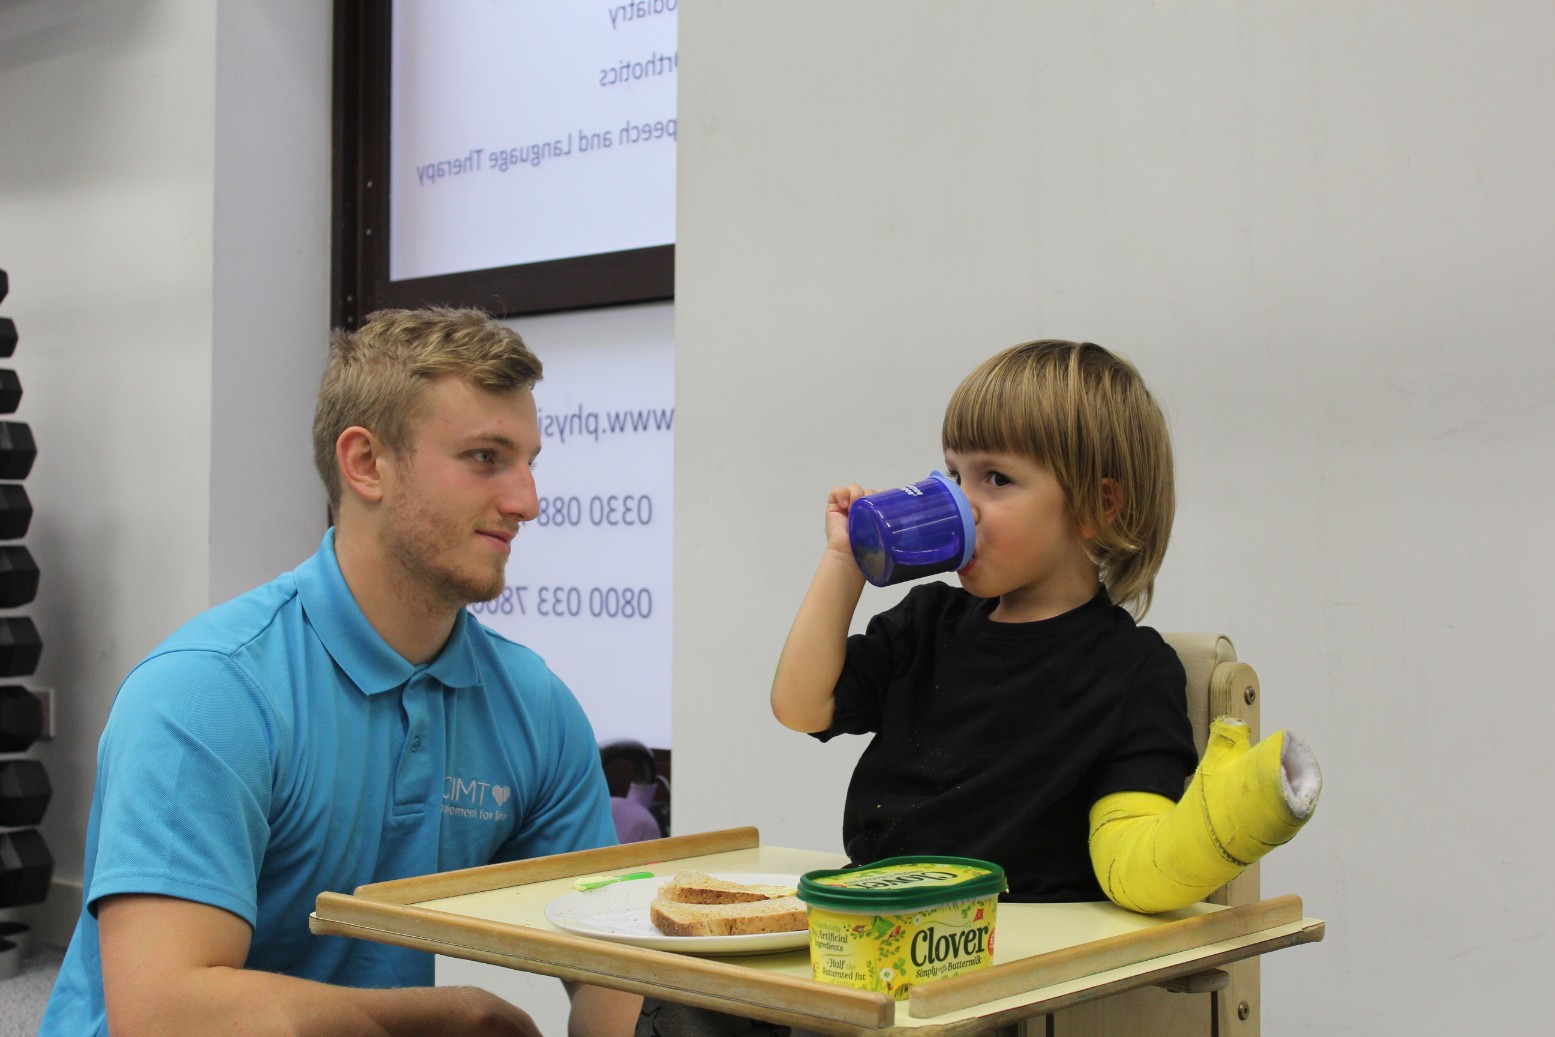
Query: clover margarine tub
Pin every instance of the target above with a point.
(902, 921)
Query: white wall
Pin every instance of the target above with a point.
(1324, 232)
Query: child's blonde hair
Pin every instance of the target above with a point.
(1085, 414)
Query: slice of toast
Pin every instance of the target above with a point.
(693, 887)
(776, 915)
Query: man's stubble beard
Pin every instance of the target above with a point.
(442, 586)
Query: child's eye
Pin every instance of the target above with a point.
(999, 479)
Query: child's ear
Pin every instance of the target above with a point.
(1111, 500)
(1111, 508)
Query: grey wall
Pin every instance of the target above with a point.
(270, 312)
(164, 219)
(1324, 232)
(106, 216)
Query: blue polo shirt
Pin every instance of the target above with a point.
(276, 747)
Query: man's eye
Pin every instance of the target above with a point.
(483, 456)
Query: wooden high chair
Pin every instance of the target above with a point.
(1221, 1002)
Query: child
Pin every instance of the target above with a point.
(1025, 718)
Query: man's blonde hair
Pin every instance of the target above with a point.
(1083, 413)
(377, 375)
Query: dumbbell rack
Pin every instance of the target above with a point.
(26, 867)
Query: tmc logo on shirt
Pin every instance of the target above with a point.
(477, 799)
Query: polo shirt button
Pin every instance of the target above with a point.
(415, 745)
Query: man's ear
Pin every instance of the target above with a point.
(362, 459)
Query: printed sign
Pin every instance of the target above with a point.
(524, 132)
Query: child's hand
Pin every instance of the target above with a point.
(837, 505)
(817, 644)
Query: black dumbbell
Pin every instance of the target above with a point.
(15, 511)
(18, 576)
(20, 646)
(8, 336)
(21, 718)
(5, 285)
(24, 792)
(17, 450)
(10, 391)
(26, 866)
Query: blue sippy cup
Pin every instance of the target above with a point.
(912, 531)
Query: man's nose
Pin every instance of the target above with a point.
(522, 499)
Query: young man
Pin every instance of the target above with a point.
(349, 722)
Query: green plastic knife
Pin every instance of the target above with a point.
(588, 882)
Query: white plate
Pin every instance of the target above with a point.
(619, 912)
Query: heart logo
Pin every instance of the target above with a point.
(500, 793)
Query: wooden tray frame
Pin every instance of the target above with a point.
(1004, 993)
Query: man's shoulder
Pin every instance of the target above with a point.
(484, 638)
(213, 673)
(506, 660)
(234, 624)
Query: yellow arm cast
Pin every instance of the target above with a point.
(1151, 854)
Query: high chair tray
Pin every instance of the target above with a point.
(1047, 956)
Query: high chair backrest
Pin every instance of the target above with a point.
(1218, 685)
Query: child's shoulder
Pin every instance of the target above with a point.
(927, 605)
(1146, 647)
(937, 598)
